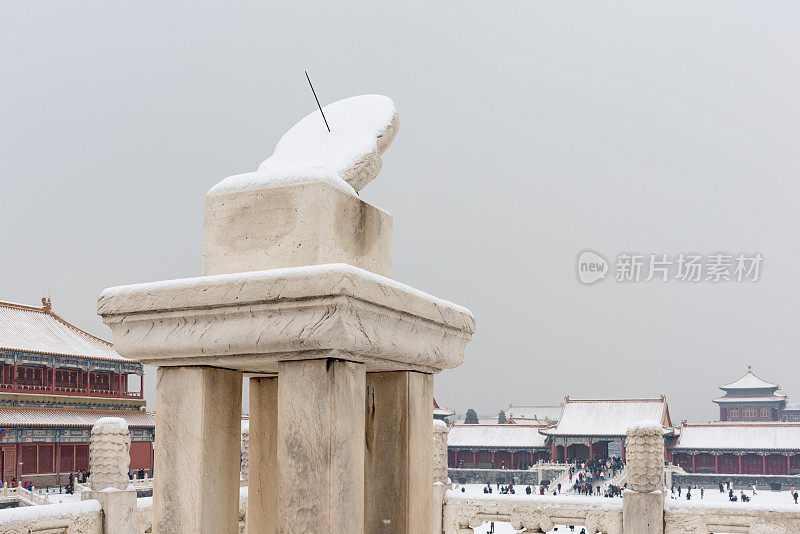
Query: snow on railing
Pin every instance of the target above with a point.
(29, 497)
(465, 513)
(684, 517)
(81, 516)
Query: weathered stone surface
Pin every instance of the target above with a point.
(399, 452)
(320, 447)
(198, 424)
(642, 513)
(644, 451)
(263, 485)
(440, 451)
(292, 226)
(253, 320)
(462, 512)
(109, 454)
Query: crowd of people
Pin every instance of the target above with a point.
(589, 477)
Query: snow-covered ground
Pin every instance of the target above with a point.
(709, 495)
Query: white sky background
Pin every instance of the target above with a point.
(529, 131)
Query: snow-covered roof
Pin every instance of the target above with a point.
(12, 416)
(610, 417)
(739, 436)
(40, 330)
(500, 436)
(749, 381)
(540, 413)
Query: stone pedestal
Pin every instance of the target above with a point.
(320, 446)
(399, 452)
(198, 428)
(273, 301)
(263, 475)
(120, 513)
(642, 513)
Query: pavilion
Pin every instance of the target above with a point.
(751, 398)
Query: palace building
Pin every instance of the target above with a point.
(759, 433)
(595, 429)
(585, 429)
(752, 448)
(750, 398)
(56, 381)
(506, 446)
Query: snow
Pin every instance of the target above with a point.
(49, 511)
(606, 417)
(639, 426)
(491, 435)
(281, 176)
(118, 422)
(764, 436)
(33, 330)
(778, 501)
(439, 422)
(309, 152)
(308, 270)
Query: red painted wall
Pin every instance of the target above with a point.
(141, 454)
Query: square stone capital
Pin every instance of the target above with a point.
(251, 321)
(293, 225)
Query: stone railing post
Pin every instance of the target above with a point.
(109, 459)
(244, 469)
(643, 500)
(296, 292)
(441, 482)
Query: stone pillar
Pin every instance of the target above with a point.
(262, 491)
(441, 482)
(109, 459)
(643, 501)
(197, 448)
(399, 452)
(321, 446)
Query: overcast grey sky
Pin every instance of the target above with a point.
(529, 132)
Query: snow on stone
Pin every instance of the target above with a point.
(740, 436)
(348, 157)
(495, 436)
(117, 423)
(201, 282)
(24, 514)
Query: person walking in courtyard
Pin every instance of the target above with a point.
(794, 494)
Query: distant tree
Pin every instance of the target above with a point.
(471, 418)
(501, 418)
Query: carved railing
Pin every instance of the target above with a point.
(682, 517)
(464, 513)
(22, 494)
(82, 517)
